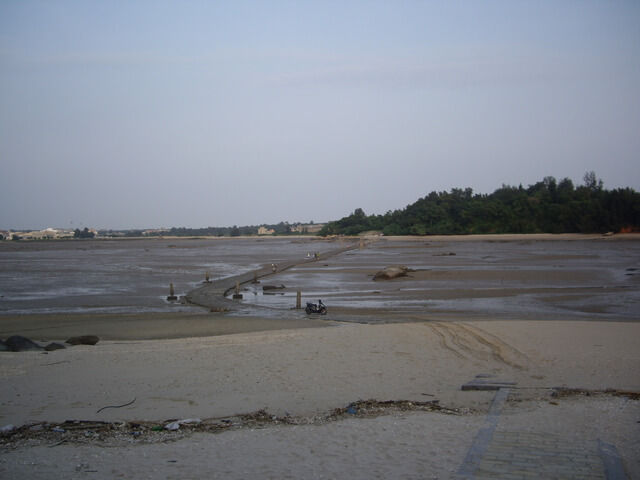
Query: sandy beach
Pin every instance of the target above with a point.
(365, 392)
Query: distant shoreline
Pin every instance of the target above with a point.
(473, 237)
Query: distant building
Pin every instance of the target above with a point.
(307, 228)
(155, 231)
(9, 235)
(47, 234)
(265, 231)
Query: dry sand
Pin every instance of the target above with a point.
(300, 375)
(306, 373)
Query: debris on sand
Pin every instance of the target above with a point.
(143, 432)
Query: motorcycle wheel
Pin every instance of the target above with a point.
(323, 311)
(309, 311)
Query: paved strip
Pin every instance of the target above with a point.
(483, 438)
(612, 463)
(213, 295)
(526, 455)
(507, 455)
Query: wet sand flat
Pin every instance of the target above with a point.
(548, 277)
(534, 277)
(147, 326)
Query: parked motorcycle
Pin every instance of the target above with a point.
(316, 308)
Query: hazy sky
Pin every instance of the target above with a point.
(143, 114)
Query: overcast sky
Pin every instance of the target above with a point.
(144, 114)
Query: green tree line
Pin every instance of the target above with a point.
(282, 228)
(548, 206)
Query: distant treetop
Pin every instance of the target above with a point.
(545, 207)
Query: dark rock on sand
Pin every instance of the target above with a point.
(18, 343)
(393, 271)
(273, 287)
(54, 346)
(83, 340)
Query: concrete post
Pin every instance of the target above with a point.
(299, 299)
(172, 295)
(237, 295)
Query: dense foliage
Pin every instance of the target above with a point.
(235, 231)
(546, 207)
(77, 233)
(282, 228)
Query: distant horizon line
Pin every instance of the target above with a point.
(72, 229)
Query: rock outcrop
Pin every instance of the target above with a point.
(83, 340)
(391, 272)
(18, 343)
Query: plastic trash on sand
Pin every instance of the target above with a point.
(176, 425)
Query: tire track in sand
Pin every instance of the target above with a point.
(501, 351)
(442, 338)
(470, 342)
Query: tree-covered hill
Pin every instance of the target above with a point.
(545, 207)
